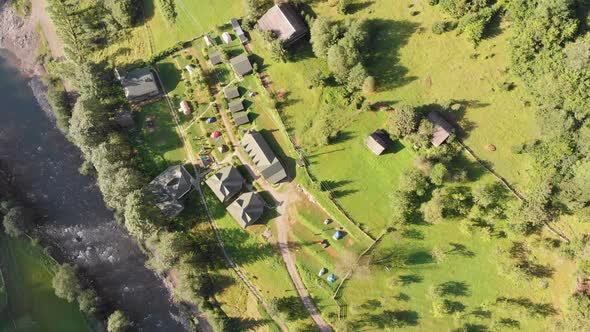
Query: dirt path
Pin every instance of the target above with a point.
(40, 17)
(282, 200)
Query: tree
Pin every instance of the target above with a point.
(142, 216)
(356, 77)
(15, 221)
(402, 204)
(413, 181)
(438, 173)
(343, 6)
(322, 37)
(118, 322)
(486, 195)
(578, 55)
(169, 10)
(402, 121)
(577, 317)
(341, 61)
(88, 301)
(256, 8)
(277, 51)
(191, 281)
(65, 283)
(369, 84)
(125, 12)
(166, 249)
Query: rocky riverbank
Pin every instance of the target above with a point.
(19, 37)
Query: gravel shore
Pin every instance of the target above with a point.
(20, 38)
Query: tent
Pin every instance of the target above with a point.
(216, 134)
(211, 120)
(331, 278)
(322, 272)
(338, 235)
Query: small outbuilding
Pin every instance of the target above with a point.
(442, 129)
(338, 235)
(241, 118)
(215, 58)
(235, 106)
(226, 37)
(378, 142)
(208, 41)
(231, 92)
(185, 108)
(241, 65)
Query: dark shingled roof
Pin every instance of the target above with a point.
(264, 158)
(377, 142)
(231, 92)
(247, 209)
(442, 129)
(241, 64)
(169, 188)
(284, 23)
(215, 58)
(235, 106)
(139, 84)
(226, 183)
(240, 118)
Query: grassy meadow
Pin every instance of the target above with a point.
(32, 304)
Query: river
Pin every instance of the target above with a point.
(74, 218)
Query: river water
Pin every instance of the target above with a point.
(74, 218)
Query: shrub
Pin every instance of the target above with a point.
(169, 10)
(14, 221)
(65, 283)
(118, 322)
(343, 6)
(369, 84)
(441, 27)
(403, 121)
(58, 100)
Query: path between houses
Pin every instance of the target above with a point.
(282, 200)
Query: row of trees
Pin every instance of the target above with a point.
(473, 17)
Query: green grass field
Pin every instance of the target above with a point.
(260, 261)
(33, 305)
(157, 34)
(161, 147)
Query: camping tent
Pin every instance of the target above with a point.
(331, 278)
(211, 120)
(322, 271)
(216, 134)
(338, 235)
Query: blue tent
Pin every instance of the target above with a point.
(338, 235)
(211, 120)
(331, 278)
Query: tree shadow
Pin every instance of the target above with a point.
(291, 307)
(300, 50)
(358, 6)
(371, 305)
(341, 137)
(452, 307)
(245, 324)
(243, 248)
(460, 249)
(402, 297)
(408, 279)
(170, 75)
(401, 257)
(148, 10)
(387, 38)
(453, 288)
(533, 309)
(336, 194)
(472, 327)
(389, 319)
(412, 233)
(221, 282)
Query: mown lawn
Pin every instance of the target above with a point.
(194, 18)
(33, 305)
(161, 147)
(261, 263)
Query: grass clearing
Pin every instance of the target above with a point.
(260, 262)
(158, 146)
(33, 305)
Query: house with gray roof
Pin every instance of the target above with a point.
(442, 129)
(139, 84)
(284, 22)
(169, 188)
(264, 158)
(241, 118)
(226, 183)
(231, 92)
(247, 209)
(216, 58)
(241, 65)
(235, 106)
